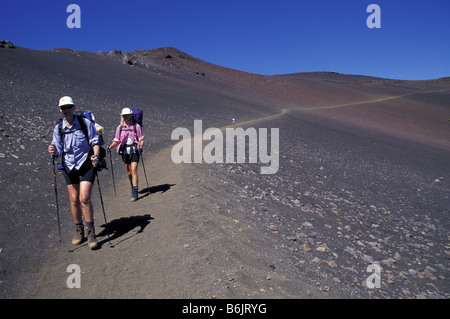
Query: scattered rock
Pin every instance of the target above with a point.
(332, 264)
(412, 272)
(305, 247)
(7, 44)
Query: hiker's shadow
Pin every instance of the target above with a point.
(117, 228)
(155, 189)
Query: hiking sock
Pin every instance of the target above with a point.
(89, 224)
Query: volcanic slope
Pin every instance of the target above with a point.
(359, 160)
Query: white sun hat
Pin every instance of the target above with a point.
(126, 111)
(66, 100)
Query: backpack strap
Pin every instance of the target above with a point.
(83, 126)
(61, 136)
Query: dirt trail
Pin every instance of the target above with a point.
(383, 99)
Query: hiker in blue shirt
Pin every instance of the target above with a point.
(77, 143)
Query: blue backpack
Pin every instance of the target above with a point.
(138, 116)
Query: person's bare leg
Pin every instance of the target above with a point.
(85, 200)
(134, 181)
(134, 174)
(75, 209)
(130, 177)
(88, 212)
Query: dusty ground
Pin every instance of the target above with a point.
(363, 180)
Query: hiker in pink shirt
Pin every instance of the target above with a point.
(129, 141)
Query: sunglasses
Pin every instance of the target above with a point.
(66, 107)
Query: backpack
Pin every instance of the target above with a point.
(81, 116)
(90, 116)
(138, 116)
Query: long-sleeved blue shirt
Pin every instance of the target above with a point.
(76, 147)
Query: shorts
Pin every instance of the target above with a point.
(129, 158)
(86, 173)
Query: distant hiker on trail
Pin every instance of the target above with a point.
(233, 121)
(129, 141)
(76, 140)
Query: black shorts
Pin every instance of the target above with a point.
(129, 158)
(86, 173)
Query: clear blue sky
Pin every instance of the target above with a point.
(260, 36)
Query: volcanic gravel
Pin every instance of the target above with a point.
(363, 180)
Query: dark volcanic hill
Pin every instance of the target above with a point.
(363, 180)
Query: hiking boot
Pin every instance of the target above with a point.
(134, 193)
(92, 240)
(79, 235)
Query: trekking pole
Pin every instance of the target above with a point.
(112, 172)
(143, 166)
(103, 208)
(56, 196)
